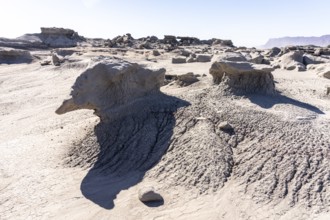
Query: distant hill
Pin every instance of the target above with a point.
(291, 41)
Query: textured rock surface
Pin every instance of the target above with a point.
(292, 61)
(243, 77)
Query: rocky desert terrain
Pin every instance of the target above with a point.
(172, 128)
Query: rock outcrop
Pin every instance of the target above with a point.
(310, 59)
(242, 78)
(59, 37)
(292, 61)
(109, 84)
(12, 56)
(322, 70)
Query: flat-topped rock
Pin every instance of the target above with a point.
(56, 31)
(243, 77)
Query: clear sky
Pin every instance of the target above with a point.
(246, 22)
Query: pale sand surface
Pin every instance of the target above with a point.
(34, 141)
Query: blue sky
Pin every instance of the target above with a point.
(246, 22)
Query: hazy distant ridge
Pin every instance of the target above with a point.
(286, 41)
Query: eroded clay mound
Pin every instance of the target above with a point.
(243, 77)
(110, 83)
(181, 143)
(272, 159)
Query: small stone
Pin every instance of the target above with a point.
(225, 126)
(155, 53)
(45, 62)
(149, 194)
(56, 60)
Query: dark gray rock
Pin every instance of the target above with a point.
(149, 194)
(177, 60)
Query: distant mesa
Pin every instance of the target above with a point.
(322, 41)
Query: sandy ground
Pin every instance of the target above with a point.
(34, 142)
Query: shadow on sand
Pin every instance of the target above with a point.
(269, 101)
(129, 147)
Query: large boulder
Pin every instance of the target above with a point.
(186, 79)
(310, 59)
(242, 78)
(176, 60)
(56, 60)
(12, 56)
(292, 60)
(256, 58)
(109, 83)
(274, 52)
(203, 58)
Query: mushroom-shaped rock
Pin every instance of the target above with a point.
(243, 77)
(111, 83)
(149, 194)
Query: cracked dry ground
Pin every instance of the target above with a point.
(272, 157)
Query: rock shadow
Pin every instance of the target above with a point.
(154, 204)
(269, 101)
(128, 147)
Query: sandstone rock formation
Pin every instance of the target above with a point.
(59, 37)
(232, 56)
(56, 60)
(322, 70)
(243, 77)
(12, 56)
(310, 59)
(203, 58)
(109, 84)
(292, 61)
